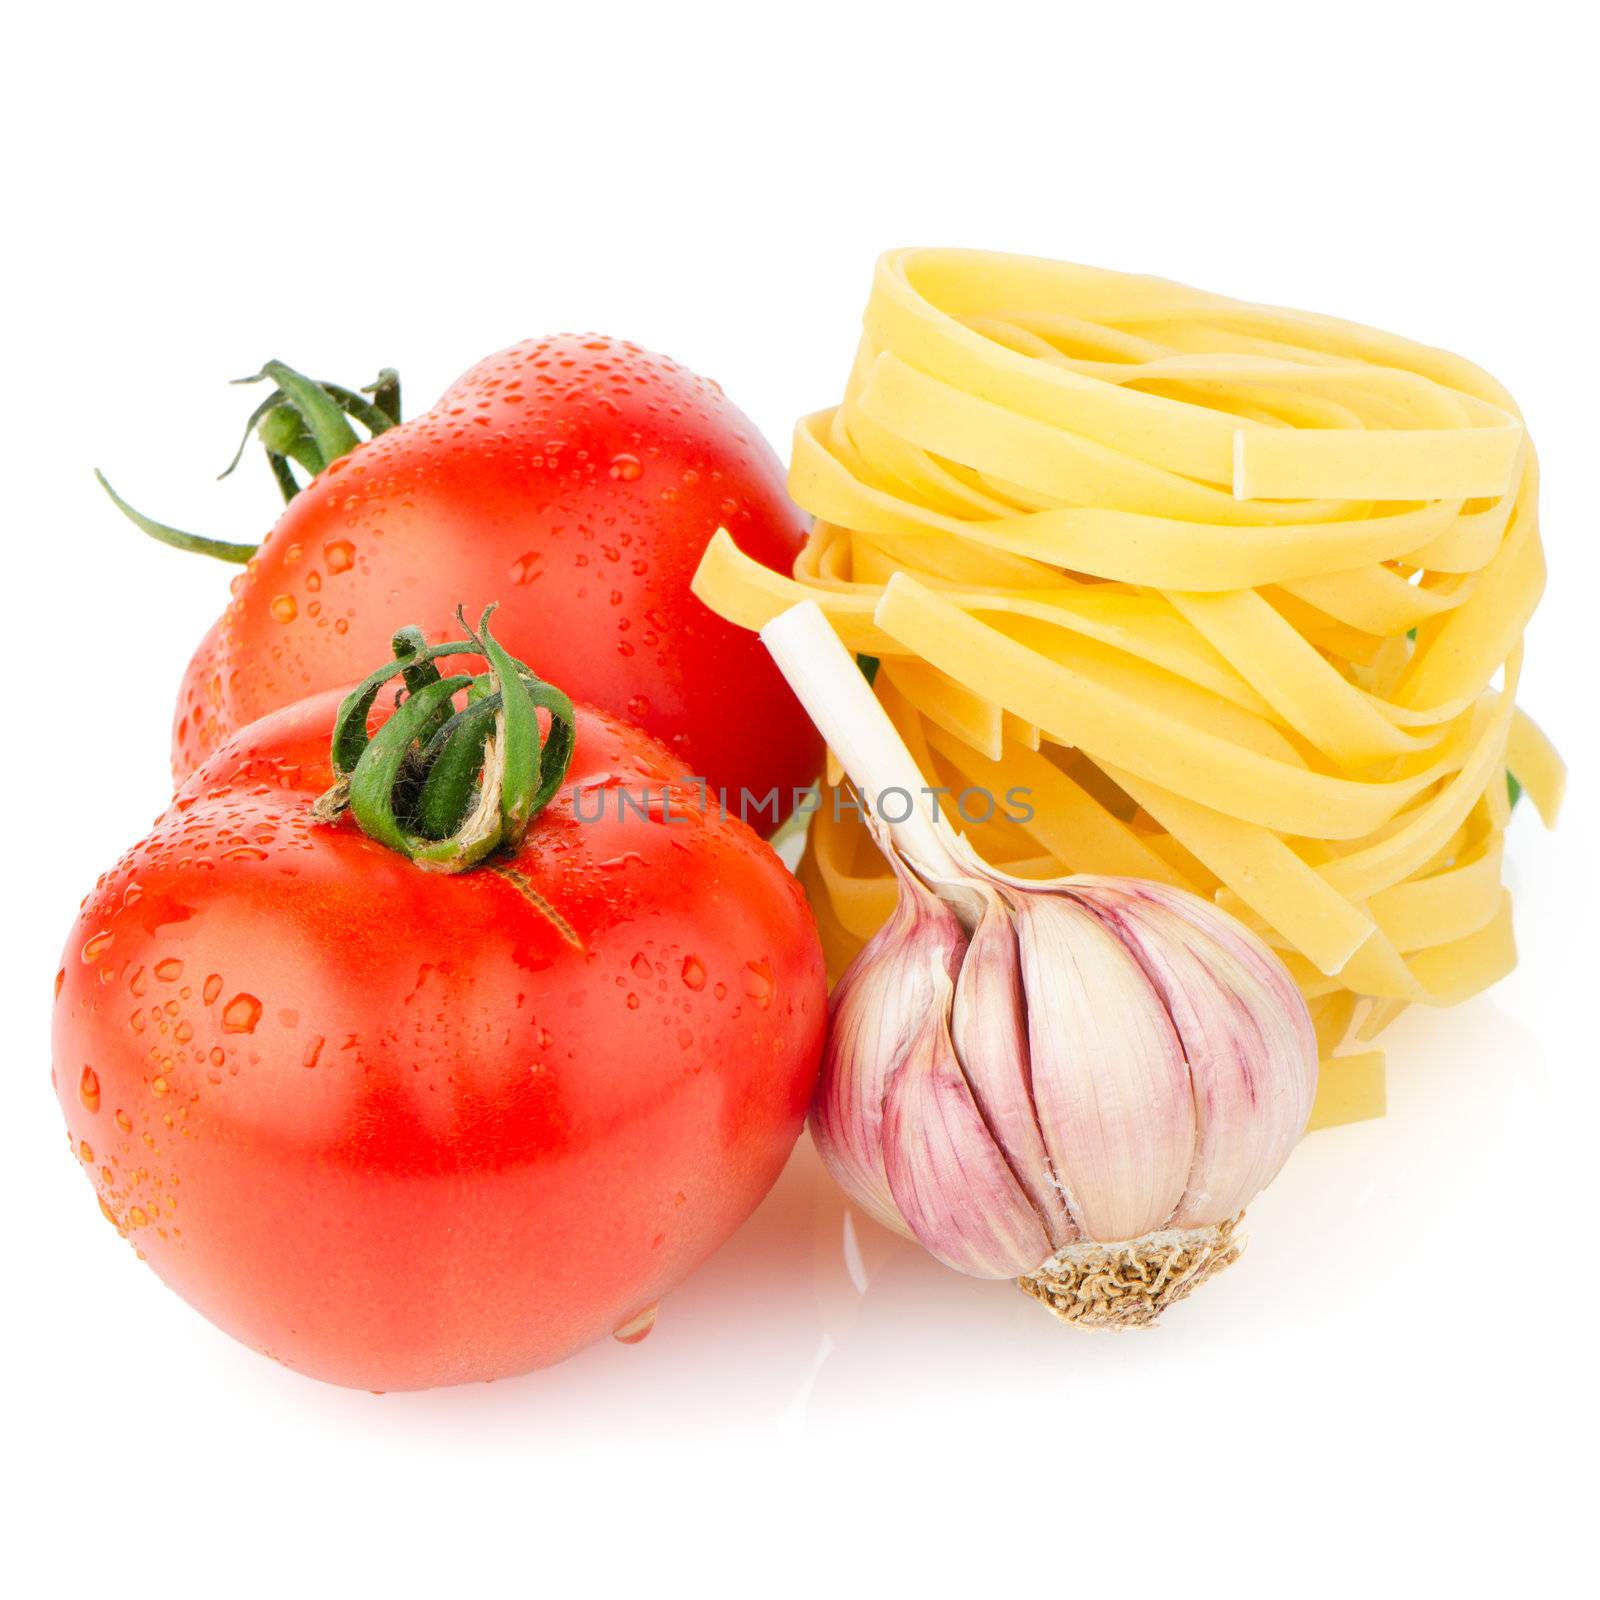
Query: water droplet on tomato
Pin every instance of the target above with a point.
(527, 567)
(85, 1151)
(694, 973)
(213, 987)
(159, 1086)
(283, 608)
(96, 946)
(637, 1328)
(758, 981)
(241, 1014)
(170, 970)
(340, 555)
(125, 1122)
(641, 965)
(61, 978)
(626, 468)
(89, 1089)
(638, 706)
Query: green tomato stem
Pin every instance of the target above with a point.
(442, 786)
(195, 543)
(301, 421)
(323, 418)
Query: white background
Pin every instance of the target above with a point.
(1395, 1386)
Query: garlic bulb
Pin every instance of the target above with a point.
(1078, 1083)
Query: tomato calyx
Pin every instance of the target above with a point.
(444, 786)
(302, 422)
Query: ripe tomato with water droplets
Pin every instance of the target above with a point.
(398, 1129)
(578, 479)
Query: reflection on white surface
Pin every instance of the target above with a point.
(815, 1317)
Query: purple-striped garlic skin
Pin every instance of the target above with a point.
(1239, 1016)
(1113, 1058)
(989, 1029)
(1109, 1077)
(875, 1013)
(948, 1176)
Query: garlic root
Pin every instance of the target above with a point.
(1129, 1285)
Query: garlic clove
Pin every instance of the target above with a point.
(946, 1174)
(989, 1028)
(1228, 933)
(1109, 1076)
(875, 1013)
(1247, 1037)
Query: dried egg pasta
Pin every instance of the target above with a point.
(1234, 594)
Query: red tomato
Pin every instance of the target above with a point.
(397, 1129)
(576, 479)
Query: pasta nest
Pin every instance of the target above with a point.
(1166, 584)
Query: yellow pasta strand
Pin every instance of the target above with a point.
(1230, 596)
(1349, 1089)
